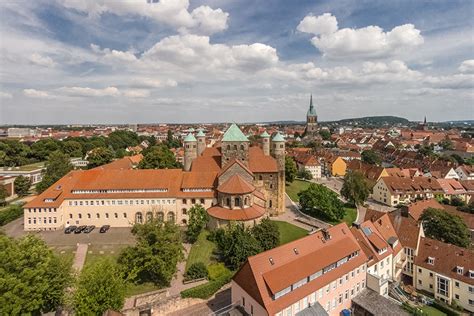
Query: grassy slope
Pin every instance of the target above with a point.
(201, 250)
(289, 232)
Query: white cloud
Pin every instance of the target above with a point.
(457, 81)
(202, 20)
(45, 61)
(136, 93)
(33, 93)
(467, 66)
(5, 95)
(366, 42)
(155, 83)
(89, 92)
(323, 24)
(114, 55)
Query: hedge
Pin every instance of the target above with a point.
(205, 291)
(10, 214)
(215, 270)
(444, 308)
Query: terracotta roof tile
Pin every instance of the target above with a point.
(245, 214)
(236, 185)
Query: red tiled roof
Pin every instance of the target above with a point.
(238, 214)
(260, 163)
(236, 185)
(416, 209)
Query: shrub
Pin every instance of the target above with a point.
(197, 270)
(10, 214)
(215, 270)
(444, 308)
(204, 291)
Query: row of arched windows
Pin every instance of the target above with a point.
(170, 217)
(242, 147)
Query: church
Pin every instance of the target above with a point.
(232, 180)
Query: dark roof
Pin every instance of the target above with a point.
(377, 304)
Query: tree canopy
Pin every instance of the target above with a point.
(32, 277)
(446, 227)
(99, 287)
(290, 169)
(325, 134)
(371, 157)
(197, 222)
(22, 185)
(267, 234)
(355, 188)
(158, 157)
(155, 255)
(321, 202)
(99, 156)
(57, 166)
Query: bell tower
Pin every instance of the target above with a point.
(311, 118)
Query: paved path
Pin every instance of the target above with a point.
(221, 300)
(292, 214)
(177, 283)
(80, 257)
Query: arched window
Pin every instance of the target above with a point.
(170, 217)
(235, 147)
(185, 211)
(202, 201)
(184, 221)
(270, 203)
(149, 216)
(260, 177)
(246, 201)
(193, 201)
(271, 185)
(184, 201)
(138, 218)
(228, 147)
(160, 216)
(242, 147)
(227, 201)
(237, 201)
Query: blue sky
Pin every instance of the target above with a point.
(124, 61)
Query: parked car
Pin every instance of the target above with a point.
(104, 228)
(70, 229)
(79, 229)
(88, 229)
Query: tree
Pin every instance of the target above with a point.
(155, 255)
(447, 144)
(325, 134)
(446, 227)
(122, 139)
(197, 222)
(371, 157)
(22, 185)
(3, 195)
(171, 141)
(72, 148)
(267, 234)
(290, 169)
(304, 174)
(355, 188)
(236, 243)
(100, 287)
(158, 157)
(43, 148)
(321, 202)
(99, 156)
(197, 270)
(32, 278)
(57, 166)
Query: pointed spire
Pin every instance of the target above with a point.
(424, 120)
(311, 111)
(311, 101)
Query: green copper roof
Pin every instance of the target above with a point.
(278, 138)
(234, 134)
(264, 135)
(312, 110)
(200, 133)
(191, 130)
(190, 138)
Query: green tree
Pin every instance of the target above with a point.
(32, 278)
(14, 153)
(371, 157)
(155, 255)
(43, 148)
(158, 157)
(447, 144)
(171, 142)
(57, 166)
(197, 222)
(99, 156)
(304, 174)
(236, 243)
(290, 169)
(100, 287)
(197, 270)
(267, 234)
(325, 134)
(446, 227)
(3, 195)
(22, 185)
(355, 188)
(122, 139)
(321, 202)
(72, 148)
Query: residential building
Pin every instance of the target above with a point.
(324, 270)
(446, 271)
(465, 172)
(309, 163)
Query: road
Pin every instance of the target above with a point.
(221, 300)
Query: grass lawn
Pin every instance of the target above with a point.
(201, 251)
(135, 289)
(294, 188)
(289, 232)
(431, 311)
(94, 253)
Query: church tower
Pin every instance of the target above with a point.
(311, 118)
(190, 151)
(235, 145)
(278, 152)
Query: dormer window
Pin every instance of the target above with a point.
(271, 261)
(431, 260)
(459, 270)
(295, 251)
(471, 274)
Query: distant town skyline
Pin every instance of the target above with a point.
(179, 61)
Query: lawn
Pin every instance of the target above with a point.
(431, 311)
(289, 232)
(295, 187)
(135, 289)
(201, 251)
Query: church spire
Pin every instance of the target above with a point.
(424, 122)
(311, 101)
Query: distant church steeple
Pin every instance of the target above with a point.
(311, 118)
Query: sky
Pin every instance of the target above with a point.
(183, 61)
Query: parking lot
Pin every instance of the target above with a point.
(114, 236)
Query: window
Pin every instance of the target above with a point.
(456, 284)
(471, 274)
(184, 211)
(170, 217)
(443, 286)
(193, 201)
(98, 215)
(471, 302)
(80, 215)
(430, 260)
(106, 215)
(251, 309)
(431, 286)
(124, 215)
(70, 215)
(456, 296)
(471, 289)
(419, 270)
(459, 270)
(202, 201)
(243, 301)
(138, 218)
(431, 274)
(116, 215)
